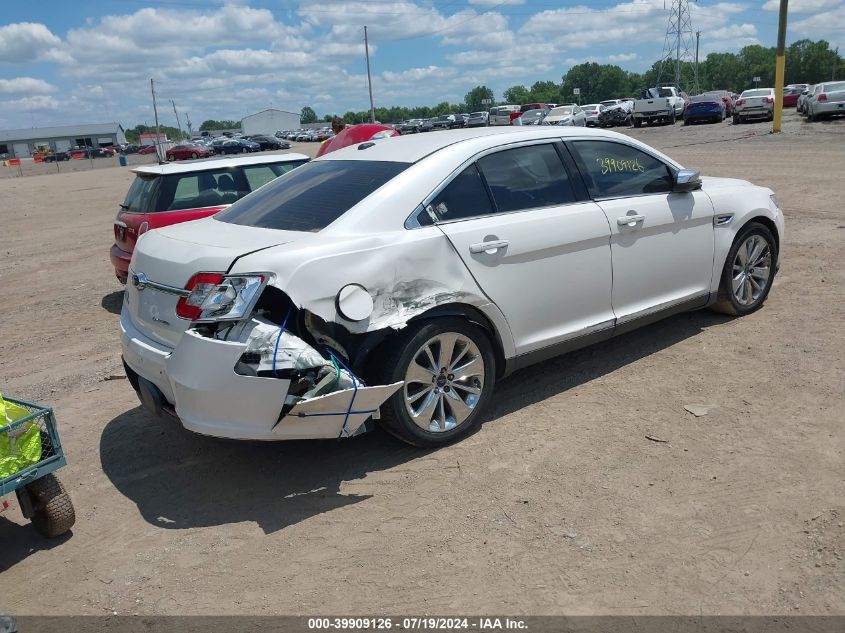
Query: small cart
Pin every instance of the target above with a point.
(30, 452)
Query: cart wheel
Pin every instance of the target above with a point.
(54, 514)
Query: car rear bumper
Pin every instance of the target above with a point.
(755, 112)
(120, 260)
(829, 107)
(198, 381)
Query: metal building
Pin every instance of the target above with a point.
(269, 121)
(22, 143)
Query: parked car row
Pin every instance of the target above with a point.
(306, 135)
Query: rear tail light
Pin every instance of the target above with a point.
(218, 297)
(768, 99)
(822, 97)
(739, 102)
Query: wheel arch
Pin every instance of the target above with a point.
(465, 311)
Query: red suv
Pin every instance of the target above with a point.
(168, 194)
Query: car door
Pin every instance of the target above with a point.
(662, 243)
(536, 246)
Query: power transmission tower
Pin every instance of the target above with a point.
(679, 48)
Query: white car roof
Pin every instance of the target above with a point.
(414, 147)
(216, 163)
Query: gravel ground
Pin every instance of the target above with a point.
(558, 505)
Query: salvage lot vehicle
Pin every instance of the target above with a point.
(501, 115)
(406, 293)
(593, 111)
(570, 114)
(664, 104)
(186, 151)
(705, 108)
(162, 195)
(755, 104)
(827, 100)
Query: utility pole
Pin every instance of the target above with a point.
(835, 64)
(178, 123)
(155, 112)
(779, 67)
(697, 38)
(678, 51)
(369, 77)
(188, 122)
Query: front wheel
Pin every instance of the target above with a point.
(748, 272)
(637, 122)
(449, 369)
(194, 155)
(244, 150)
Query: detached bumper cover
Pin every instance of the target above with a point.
(199, 379)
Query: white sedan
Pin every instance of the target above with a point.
(400, 279)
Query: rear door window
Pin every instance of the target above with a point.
(259, 175)
(202, 189)
(464, 197)
(527, 178)
(313, 196)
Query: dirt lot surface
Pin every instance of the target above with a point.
(560, 504)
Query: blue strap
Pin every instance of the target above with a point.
(279, 338)
(344, 430)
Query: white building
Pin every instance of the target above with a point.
(269, 121)
(22, 143)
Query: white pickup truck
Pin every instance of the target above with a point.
(664, 104)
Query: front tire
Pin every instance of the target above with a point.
(749, 271)
(449, 370)
(194, 155)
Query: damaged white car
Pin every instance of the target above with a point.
(398, 280)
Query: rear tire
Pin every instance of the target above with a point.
(54, 513)
(194, 155)
(637, 122)
(737, 119)
(739, 281)
(464, 377)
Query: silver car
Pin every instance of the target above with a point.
(827, 100)
(758, 103)
(478, 119)
(570, 114)
(802, 100)
(592, 112)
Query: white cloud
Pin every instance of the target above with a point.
(30, 104)
(25, 85)
(829, 25)
(25, 42)
(495, 3)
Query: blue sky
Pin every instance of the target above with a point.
(91, 60)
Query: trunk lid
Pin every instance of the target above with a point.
(171, 256)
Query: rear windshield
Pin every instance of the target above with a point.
(197, 190)
(834, 87)
(312, 197)
(757, 93)
(705, 99)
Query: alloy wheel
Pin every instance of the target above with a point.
(752, 270)
(443, 382)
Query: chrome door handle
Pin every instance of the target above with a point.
(488, 247)
(630, 220)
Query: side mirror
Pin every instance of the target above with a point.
(687, 180)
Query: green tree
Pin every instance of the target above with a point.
(544, 92)
(225, 124)
(596, 82)
(516, 95)
(308, 115)
(474, 98)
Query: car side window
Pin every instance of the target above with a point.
(527, 178)
(615, 170)
(464, 197)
